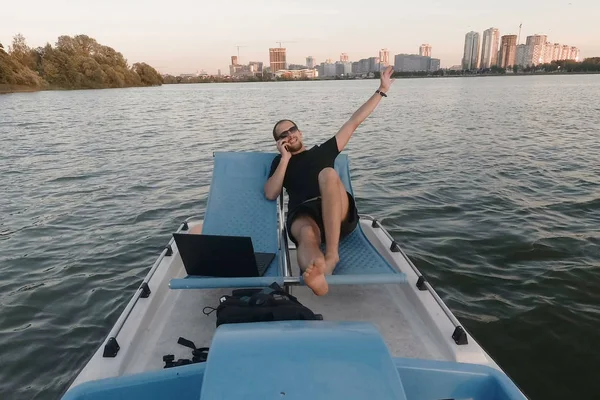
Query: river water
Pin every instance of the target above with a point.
(491, 185)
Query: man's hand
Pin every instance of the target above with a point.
(386, 79)
(283, 150)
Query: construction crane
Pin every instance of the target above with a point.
(238, 50)
(281, 41)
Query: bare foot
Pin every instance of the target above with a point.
(330, 262)
(314, 278)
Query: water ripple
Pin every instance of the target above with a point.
(491, 185)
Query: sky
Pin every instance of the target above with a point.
(186, 36)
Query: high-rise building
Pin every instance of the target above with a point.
(508, 51)
(425, 50)
(219, 72)
(344, 57)
(310, 62)
(565, 52)
(343, 68)
(384, 57)
(320, 69)
(556, 48)
(574, 53)
(347, 68)
(489, 48)
(328, 69)
(277, 59)
(374, 65)
(234, 60)
(256, 67)
(548, 51)
(415, 63)
(535, 49)
(471, 53)
(521, 55)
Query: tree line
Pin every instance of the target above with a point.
(77, 62)
(588, 65)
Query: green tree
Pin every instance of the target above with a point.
(12, 72)
(77, 62)
(148, 75)
(21, 52)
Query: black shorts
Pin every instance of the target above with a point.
(313, 209)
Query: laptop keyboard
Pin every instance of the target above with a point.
(263, 260)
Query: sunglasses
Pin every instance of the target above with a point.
(287, 133)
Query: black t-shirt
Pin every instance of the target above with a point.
(301, 179)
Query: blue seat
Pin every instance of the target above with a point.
(237, 206)
(360, 262)
(300, 360)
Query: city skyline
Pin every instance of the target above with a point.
(203, 37)
(503, 51)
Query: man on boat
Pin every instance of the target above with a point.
(320, 209)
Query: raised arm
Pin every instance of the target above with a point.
(346, 131)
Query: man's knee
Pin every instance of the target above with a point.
(306, 232)
(328, 175)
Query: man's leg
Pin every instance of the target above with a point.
(310, 258)
(335, 209)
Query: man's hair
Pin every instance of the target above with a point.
(278, 122)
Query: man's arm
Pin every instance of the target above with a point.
(274, 184)
(346, 131)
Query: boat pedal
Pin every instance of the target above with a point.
(198, 355)
(421, 283)
(169, 250)
(395, 247)
(186, 343)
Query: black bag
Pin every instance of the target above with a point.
(259, 305)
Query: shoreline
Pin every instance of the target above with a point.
(394, 77)
(8, 89)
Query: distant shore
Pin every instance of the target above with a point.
(487, 75)
(7, 89)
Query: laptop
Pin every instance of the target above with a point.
(222, 256)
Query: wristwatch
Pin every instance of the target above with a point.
(381, 93)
